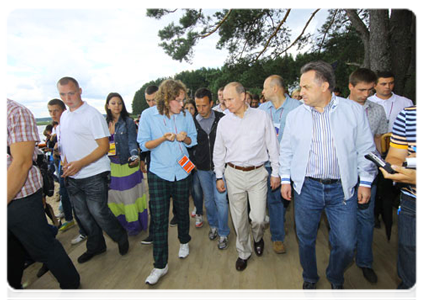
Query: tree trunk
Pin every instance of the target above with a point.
(380, 58)
(364, 34)
(402, 45)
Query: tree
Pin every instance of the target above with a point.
(257, 33)
(139, 103)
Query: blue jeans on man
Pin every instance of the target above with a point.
(215, 202)
(365, 226)
(342, 216)
(406, 262)
(89, 197)
(197, 193)
(276, 210)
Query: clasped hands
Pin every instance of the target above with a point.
(180, 137)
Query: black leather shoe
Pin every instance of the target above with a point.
(309, 290)
(42, 270)
(370, 275)
(338, 292)
(68, 294)
(259, 247)
(241, 264)
(124, 247)
(87, 256)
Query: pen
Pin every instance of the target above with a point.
(416, 149)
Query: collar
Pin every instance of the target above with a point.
(332, 105)
(200, 118)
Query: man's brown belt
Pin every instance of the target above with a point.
(245, 169)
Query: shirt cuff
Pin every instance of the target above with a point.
(285, 179)
(365, 183)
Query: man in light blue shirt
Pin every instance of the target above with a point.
(166, 130)
(278, 105)
(322, 152)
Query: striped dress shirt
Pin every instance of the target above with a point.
(322, 161)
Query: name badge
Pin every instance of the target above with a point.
(186, 164)
(112, 149)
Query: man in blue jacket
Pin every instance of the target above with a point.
(322, 152)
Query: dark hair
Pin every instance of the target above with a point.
(221, 89)
(151, 89)
(255, 97)
(65, 81)
(123, 114)
(384, 74)
(57, 102)
(362, 75)
(203, 92)
(324, 72)
(54, 123)
(192, 102)
(168, 90)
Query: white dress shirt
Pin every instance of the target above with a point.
(393, 106)
(248, 141)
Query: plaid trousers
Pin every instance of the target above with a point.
(160, 192)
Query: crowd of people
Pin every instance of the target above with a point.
(247, 155)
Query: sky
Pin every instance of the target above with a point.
(106, 50)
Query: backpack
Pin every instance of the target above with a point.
(46, 174)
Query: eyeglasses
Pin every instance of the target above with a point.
(180, 101)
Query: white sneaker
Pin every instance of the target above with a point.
(199, 221)
(156, 274)
(78, 239)
(194, 212)
(183, 250)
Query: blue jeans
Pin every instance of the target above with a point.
(276, 210)
(26, 220)
(67, 204)
(197, 193)
(215, 202)
(365, 225)
(89, 197)
(407, 242)
(342, 216)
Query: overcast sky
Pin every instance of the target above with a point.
(106, 50)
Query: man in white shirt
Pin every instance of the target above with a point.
(392, 103)
(221, 107)
(245, 141)
(83, 145)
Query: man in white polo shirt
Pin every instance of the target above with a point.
(392, 103)
(83, 146)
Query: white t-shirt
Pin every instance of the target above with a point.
(393, 106)
(77, 136)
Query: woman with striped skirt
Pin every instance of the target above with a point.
(127, 197)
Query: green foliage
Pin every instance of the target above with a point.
(139, 103)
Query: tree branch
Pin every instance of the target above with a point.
(217, 26)
(327, 30)
(301, 34)
(273, 34)
(358, 23)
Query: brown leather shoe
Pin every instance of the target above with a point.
(279, 247)
(241, 264)
(259, 247)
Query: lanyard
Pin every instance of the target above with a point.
(271, 113)
(389, 117)
(176, 129)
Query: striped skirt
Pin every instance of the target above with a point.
(127, 197)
